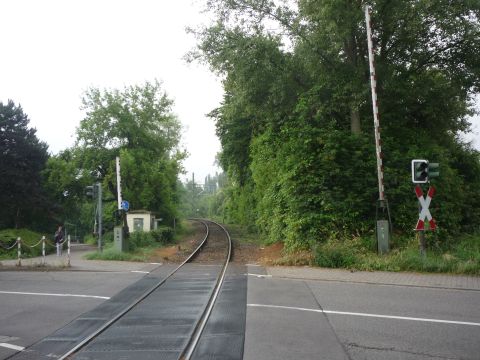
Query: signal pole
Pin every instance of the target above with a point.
(383, 228)
(376, 119)
(100, 215)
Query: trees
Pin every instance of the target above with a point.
(295, 122)
(136, 124)
(22, 158)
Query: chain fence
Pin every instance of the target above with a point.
(44, 242)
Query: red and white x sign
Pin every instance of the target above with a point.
(425, 204)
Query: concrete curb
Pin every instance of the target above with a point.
(445, 281)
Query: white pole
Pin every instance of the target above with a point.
(43, 249)
(68, 251)
(119, 189)
(100, 215)
(376, 119)
(19, 251)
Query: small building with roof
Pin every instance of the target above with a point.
(142, 220)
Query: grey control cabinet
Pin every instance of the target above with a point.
(383, 236)
(120, 241)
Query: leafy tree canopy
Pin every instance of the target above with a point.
(22, 158)
(138, 125)
(295, 123)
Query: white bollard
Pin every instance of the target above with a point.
(43, 249)
(68, 250)
(19, 251)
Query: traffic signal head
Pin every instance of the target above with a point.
(433, 170)
(91, 190)
(419, 171)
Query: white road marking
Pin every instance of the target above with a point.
(368, 315)
(155, 263)
(253, 265)
(50, 294)
(259, 275)
(13, 347)
(140, 272)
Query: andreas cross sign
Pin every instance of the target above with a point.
(424, 212)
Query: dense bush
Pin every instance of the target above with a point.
(163, 234)
(140, 239)
(296, 128)
(29, 239)
(460, 257)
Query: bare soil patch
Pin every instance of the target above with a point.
(257, 254)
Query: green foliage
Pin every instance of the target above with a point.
(138, 125)
(207, 200)
(335, 255)
(140, 239)
(459, 257)
(114, 255)
(22, 159)
(295, 123)
(163, 235)
(29, 239)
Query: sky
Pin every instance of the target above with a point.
(53, 50)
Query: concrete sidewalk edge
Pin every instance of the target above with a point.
(445, 281)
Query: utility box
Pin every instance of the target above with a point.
(120, 241)
(383, 236)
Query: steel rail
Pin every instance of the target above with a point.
(109, 323)
(197, 333)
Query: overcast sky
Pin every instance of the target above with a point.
(53, 50)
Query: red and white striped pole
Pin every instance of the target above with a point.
(376, 119)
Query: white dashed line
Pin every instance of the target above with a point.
(368, 315)
(50, 294)
(140, 272)
(259, 275)
(13, 347)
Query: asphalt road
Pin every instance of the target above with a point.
(286, 318)
(305, 319)
(32, 305)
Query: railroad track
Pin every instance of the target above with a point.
(165, 322)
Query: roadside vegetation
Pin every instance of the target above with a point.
(461, 256)
(29, 239)
(295, 126)
(457, 256)
(141, 245)
(40, 191)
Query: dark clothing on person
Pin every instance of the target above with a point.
(59, 240)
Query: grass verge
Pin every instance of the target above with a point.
(141, 245)
(29, 238)
(459, 257)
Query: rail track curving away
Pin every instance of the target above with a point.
(165, 322)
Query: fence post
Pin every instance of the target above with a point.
(43, 249)
(19, 251)
(68, 250)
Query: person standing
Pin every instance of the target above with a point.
(59, 240)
